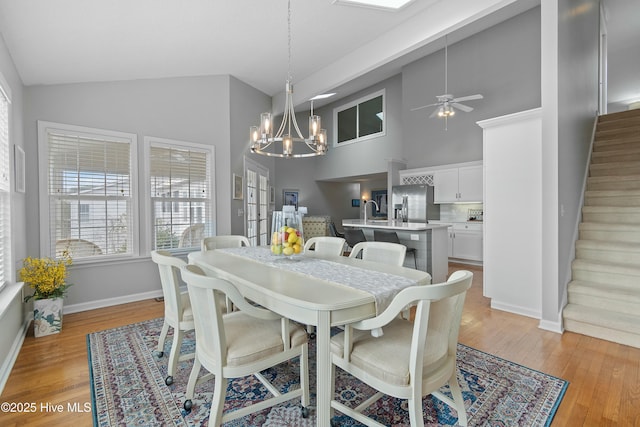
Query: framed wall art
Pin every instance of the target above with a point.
(380, 197)
(290, 198)
(237, 187)
(19, 169)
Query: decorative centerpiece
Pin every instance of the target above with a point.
(287, 238)
(47, 277)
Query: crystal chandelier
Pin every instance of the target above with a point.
(285, 143)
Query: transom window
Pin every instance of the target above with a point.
(359, 120)
(181, 195)
(87, 189)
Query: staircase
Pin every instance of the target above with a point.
(604, 294)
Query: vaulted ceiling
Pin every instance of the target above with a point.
(69, 41)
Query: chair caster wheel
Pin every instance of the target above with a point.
(305, 412)
(168, 380)
(188, 404)
(159, 353)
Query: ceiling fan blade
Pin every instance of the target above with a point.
(461, 107)
(424, 106)
(467, 98)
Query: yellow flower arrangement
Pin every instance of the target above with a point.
(46, 276)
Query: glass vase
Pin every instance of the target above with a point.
(287, 237)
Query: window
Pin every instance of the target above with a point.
(181, 193)
(84, 210)
(5, 190)
(87, 189)
(359, 120)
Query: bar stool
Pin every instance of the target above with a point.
(353, 236)
(392, 236)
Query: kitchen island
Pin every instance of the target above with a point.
(429, 240)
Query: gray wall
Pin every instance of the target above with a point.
(338, 196)
(578, 36)
(502, 63)
(196, 109)
(369, 156)
(246, 104)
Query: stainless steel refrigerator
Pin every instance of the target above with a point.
(414, 203)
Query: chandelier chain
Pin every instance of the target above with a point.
(289, 40)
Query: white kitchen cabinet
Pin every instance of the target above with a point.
(465, 241)
(463, 184)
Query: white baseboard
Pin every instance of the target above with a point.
(547, 325)
(555, 326)
(8, 363)
(523, 311)
(108, 302)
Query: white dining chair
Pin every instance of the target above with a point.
(244, 342)
(226, 241)
(383, 252)
(177, 310)
(412, 358)
(325, 246)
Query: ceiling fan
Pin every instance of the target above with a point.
(447, 103)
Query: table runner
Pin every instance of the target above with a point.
(383, 286)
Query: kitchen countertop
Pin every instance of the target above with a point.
(391, 224)
(450, 223)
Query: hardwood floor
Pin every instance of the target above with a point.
(604, 377)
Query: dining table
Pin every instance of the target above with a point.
(320, 291)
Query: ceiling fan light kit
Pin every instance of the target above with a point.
(447, 103)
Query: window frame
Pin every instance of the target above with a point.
(356, 103)
(150, 141)
(44, 127)
(8, 273)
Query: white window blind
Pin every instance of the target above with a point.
(180, 179)
(90, 191)
(5, 192)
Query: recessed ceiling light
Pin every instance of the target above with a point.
(322, 96)
(376, 4)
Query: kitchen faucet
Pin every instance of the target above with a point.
(365, 207)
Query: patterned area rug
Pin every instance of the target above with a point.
(128, 389)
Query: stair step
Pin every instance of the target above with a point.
(610, 298)
(615, 253)
(604, 324)
(606, 232)
(629, 131)
(614, 168)
(608, 275)
(621, 115)
(604, 294)
(612, 198)
(622, 123)
(611, 214)
(631, 154)
(628, 143)
(626, 182)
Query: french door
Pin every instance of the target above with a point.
(257, 203)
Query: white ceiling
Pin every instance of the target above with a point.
(70, 41)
